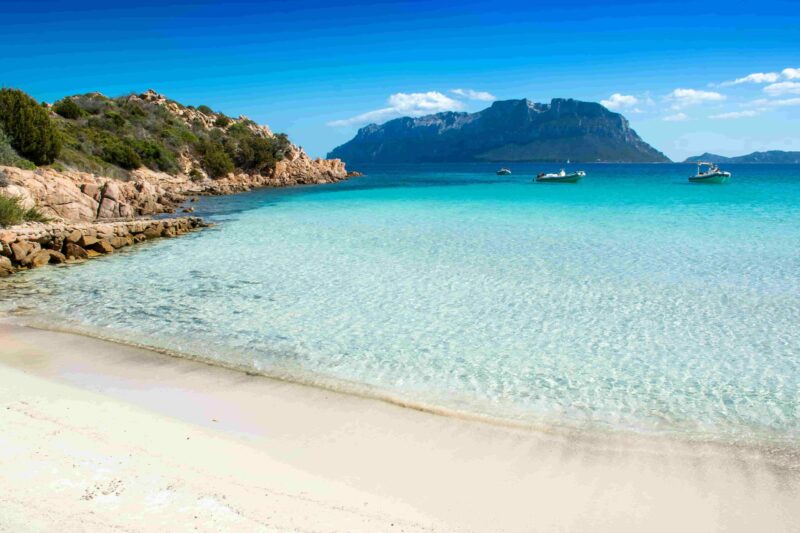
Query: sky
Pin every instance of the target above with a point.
(691, 77)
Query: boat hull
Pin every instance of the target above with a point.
(720, 177)
(573, 178)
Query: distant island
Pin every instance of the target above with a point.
(509, 130)
(771, 156)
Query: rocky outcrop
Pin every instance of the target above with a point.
(295, 169)
(36, 245)
(80, 196)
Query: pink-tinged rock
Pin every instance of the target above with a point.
(23, 249)
(104, 231)
(91, 190)
(74, 236)
(112, 191)
(7, 237)
(125, 211)
(108, 209)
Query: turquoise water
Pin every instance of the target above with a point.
(633, 300)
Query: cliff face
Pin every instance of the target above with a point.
(510, 130)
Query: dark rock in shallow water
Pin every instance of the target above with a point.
(73, 251)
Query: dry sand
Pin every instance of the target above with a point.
(96, 436)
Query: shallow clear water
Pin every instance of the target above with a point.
(631, 300)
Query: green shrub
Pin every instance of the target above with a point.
(216, 161)
(12, 212)
(9, 157)
(155, 156)
(122, 155)
(115, 119)
(195, 174)
(135, 111)
(28, 126)
(222, 121)
(205, 110)
(67, 108)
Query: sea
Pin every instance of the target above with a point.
(633, 301)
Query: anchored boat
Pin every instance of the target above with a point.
(503, 172)
(709, 173)
(561, 177)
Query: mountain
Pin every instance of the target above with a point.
(772, 156)
(509, 130)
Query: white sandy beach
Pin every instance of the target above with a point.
(97, 436)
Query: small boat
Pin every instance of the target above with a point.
(561, 177)
(709, 173)
(503, 172)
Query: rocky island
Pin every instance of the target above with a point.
(509, 130)
(91, 167)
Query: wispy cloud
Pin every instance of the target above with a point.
(404, 104)
(766, 102)
(677, 117)
(782, 88)
(469, 94)
(682, 98)
(755, 77)
(620, 101)
(734, 115)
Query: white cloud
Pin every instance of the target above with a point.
(618, 101)
(405, 104)
(686, 97)
(784, 87)
(755, 77)
(735, 114)
(791, 73)
(766, 102)
(474, 95)
(677, 117)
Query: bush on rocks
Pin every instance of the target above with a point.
(12, 212)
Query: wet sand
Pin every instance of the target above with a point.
(96, 435)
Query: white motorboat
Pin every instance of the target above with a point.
(561, 177)
(709, 173)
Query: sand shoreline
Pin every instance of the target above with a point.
(785, 450)
(429, 472)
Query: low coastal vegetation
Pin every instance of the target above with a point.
(12, 212)
(112, 136)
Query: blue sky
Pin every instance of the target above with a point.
(319, 70)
